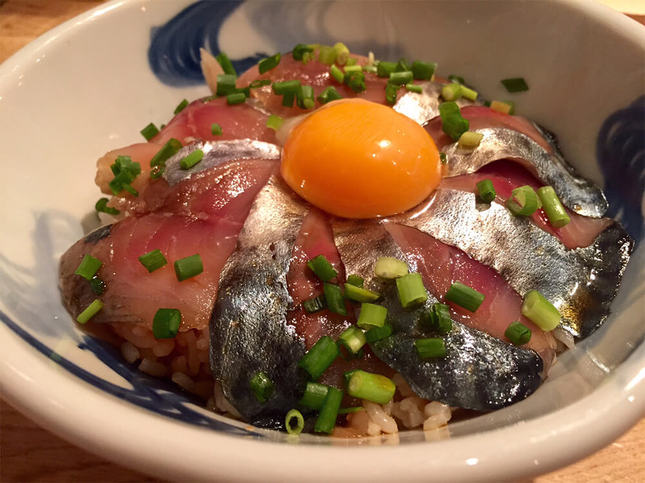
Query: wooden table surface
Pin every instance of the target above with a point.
(29, 453)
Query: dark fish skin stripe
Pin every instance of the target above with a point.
(248, 327)
(479, 371)
(98, 234)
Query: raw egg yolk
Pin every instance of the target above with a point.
(358, 159)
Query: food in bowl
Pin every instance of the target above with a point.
(336, 244)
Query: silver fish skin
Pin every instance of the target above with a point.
(576, 193)
(216, 153)
(421, 107)
(248, 327)
(479, 371)
(581, 282)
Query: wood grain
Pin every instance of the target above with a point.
(29, 453)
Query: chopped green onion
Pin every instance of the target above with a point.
(235, 98)
(540, 311)
(216, 129)
(337, 74)
(503, 107)
(451, 92)
(378, 333)
(314, 304)
(288, 98)
(286, 87)
(523, 201)
(191, 159)
(259, 83)
(443, 158)
(351, 61)
(181, 106)
(319, 357)
(342, 53)
(89, 312)
(326, 55)
(305, 97)
(269, 63)
(328, 95)
(351, 410)
(411, 291)
(125, 172)
(360, 294)
(384, 69)
(274, 122)
(88, 267)
(300, 422)
(153, 260)
(391, 91)
(414, 88)
(188, 267)
(165, 323)
(355, 280)
(456, 78)
(370, 68)
(552, 206)
(371, 315)
(518, 333)
(158, 161)
(334, 298)
(437, 318)
(452, 123)
(353, 339)
(261, 386)
(102, 207)
(371, 387)
(225, 84)
(464, 296)
(468, 93)
(226, 64)
(355, 81)
(486, 190)
(423, 70)
(329, 412)
(353, 68)
(314, 396)
(430, 348)
(515, 84)
(390, 268)
(322, 268)
(402, 65)
(348, 375)
(470, 139)
(97, 285)
(400, 78)
(149, 131)
(300, 50)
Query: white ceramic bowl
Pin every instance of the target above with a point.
(87, 86)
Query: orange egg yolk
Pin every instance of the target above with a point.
(358, 159)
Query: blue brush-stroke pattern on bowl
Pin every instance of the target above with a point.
(620, 149)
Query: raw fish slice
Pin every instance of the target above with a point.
(478, 372)
(581, 282)
(507, 175)
(178, 228)
(424, 106)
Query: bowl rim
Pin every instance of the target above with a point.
(34, 388)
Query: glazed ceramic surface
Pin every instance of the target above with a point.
(91, 84)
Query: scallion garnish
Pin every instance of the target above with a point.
(288, 98)
(437, 318)
(342, 53)
(314, 304)
(378, 333)
(351, 61)
(451, 92)
(430, 348)
(314, 395)
(369, 68)
(149, 131)
(165, 323)
(89, 312)
(300, 50)
(269, 63)
(470, 139)
(88, 267)
(181, 106)
(464, 296)
(518, 333)
(319, 357)
(322, 268)
(452, 123)
(158, 161)
(236, 98)
(326, 55)
(188, 267)
(355, 81)
(371, 315)
(523, 201)
(300, 422)
(334, 298)
(515, 84)
(411, 291)
(557, 214)
(191, 159)
(540, 311)
(384, 69)
(400, 78)
(125, 171)
(274, 122)
(216, 129)
(153, 260)
(350, 410)
(402, 65)
(423, 70)
(225, 84)
(503, 107)
(259, 83)
(353, 339)
(101, 206)
(337, 74)
(371, 387)
(328, 95)
(353, 68)
(468, 93)
(443, 158)
(456, 78)
(286, 87)
(226, 64)
(391, 91)
(327, 417)
(414, 88)
(305, 97)
(261, 386)
(360, 294)
(390, 268)
(355, 280)
(486, 191)
(97, 285)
